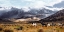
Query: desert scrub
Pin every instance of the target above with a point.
(19, 28)
(1, 28)
(40, 30)
(8, 30)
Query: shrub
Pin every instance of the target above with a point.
(40, 30)
(19, 28)
(1, 28)
(8, 30)
(61, 27)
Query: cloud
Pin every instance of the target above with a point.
(28, 3)
(53, 2)
(54, 8)
(59, 5)
(37, 4)
(40, 3)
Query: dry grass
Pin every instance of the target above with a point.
(31, 28)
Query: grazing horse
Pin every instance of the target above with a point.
(48, 24)
(34, 24)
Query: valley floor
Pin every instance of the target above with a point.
(29, 28)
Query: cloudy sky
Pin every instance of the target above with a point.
(28, 3)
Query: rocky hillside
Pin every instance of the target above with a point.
(58, 16)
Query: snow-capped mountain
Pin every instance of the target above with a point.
(20, 13)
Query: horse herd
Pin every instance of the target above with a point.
(50, 24)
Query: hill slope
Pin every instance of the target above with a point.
(58, 16)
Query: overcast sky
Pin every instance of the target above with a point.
(28, 3)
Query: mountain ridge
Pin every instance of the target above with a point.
(57, 17)
(19, 13)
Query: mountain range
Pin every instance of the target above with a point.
(20, 13)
